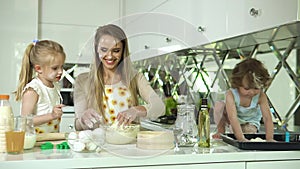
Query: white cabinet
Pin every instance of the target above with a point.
(73, 22)
(211, 17)
(257, 15)
(216, 19)
(274, 164)
(187, 23)
(158, 27)
(78, 12)
(149, 45)
(67, 123)
(140, 6)
(223, 19)
(236, 165)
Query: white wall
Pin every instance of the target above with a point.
(19, 26)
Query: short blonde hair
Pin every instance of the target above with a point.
(253, 71)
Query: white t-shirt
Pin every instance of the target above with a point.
(48, 97)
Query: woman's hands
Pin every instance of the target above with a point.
(129, 115)
(90, 119)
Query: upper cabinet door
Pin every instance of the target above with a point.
(255, 15)
(228, 18)
(211, 18)
(160, 26)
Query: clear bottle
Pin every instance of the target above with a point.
(6, 120)
(30, 134)
(185, 121)
(204, 125)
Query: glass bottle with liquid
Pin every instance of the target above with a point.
(204, 125)
(6, 120)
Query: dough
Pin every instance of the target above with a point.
(257, 139)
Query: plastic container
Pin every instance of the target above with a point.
(6, 120)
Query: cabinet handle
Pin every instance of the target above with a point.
(147, 47)
(201, 29)
(255, 12)
(168, 39)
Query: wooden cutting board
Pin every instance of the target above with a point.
(54, 138)
(50, 136)
(39, 143)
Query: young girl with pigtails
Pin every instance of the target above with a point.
(38, 88)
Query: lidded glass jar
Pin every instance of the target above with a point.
(30, 134)
(6, 120)
(186, 121)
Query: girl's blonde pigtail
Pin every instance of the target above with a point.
(26, 72)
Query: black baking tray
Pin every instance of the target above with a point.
(293, 144)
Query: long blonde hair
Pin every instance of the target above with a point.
(38, 53)
(125, 70)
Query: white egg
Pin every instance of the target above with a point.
(72, 135)
(78, 146)
(91, 146)
(98, 149)
(72, 138)
(85, 136)
(71, 142)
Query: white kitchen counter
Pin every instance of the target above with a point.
(220, 155)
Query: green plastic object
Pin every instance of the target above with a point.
(47, 146)
(62, 146)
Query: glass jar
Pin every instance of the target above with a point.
(6, 120)
(30, 134)
(186, 121)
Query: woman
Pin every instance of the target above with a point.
(109, 92)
